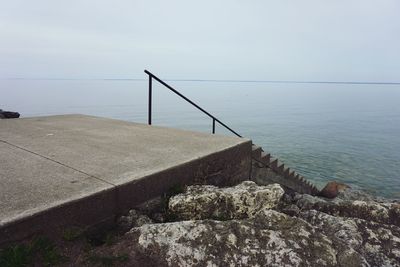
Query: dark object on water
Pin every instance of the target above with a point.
(332, 189)
(8, 114)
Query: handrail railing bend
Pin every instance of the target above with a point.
(214, 119)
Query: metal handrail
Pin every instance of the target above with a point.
(214, 119)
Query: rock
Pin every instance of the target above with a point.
(270, 238)
(159, 217)
(250, 225)
(307, 201)
(332, 189)
(133, 219)
(241, 201)
(291, 210)
(394, 214)
(351, 194)
(8, 114)
(154, 208)
(358, 241)
(287, 198)
(380, 212)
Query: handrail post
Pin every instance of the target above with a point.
(213, 127)
(150, 99)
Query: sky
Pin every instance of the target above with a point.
(331, 40)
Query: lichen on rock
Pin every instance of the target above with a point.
(361, 241)
(270, 238)
(251, 225)
(241, 201)
(376, 211)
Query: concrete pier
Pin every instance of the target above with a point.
(80, 170)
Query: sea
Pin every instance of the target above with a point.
(325, 131)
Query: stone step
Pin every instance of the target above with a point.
(286, 172)
(300, 179)
(315, 190)
(280, 168)
(256, 152)
(265, 158)
(273, 163)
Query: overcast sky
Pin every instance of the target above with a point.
(261, 40)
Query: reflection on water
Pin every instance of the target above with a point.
(326, 132)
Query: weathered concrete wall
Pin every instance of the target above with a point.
(64, 171)
(226, 167)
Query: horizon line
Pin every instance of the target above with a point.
(212, 80)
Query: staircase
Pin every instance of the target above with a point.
(266, 170)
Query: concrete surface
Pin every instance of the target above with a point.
(76, 169)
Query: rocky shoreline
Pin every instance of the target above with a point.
(245, 225)
(252, 225)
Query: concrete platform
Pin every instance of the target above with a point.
(81, 170)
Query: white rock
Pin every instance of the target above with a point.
(241, 201)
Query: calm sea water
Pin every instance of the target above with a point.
(349, 133)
